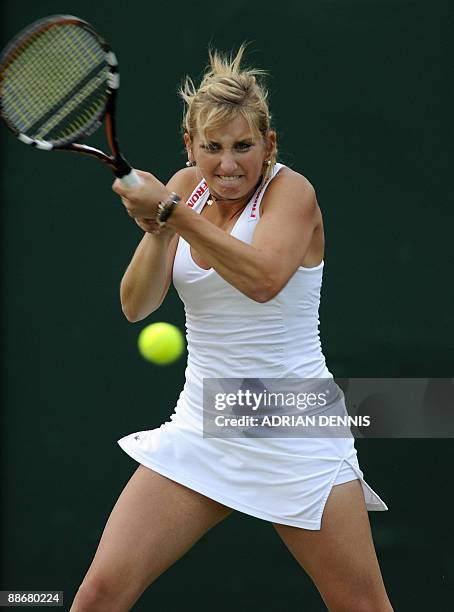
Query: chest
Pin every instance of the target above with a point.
(237, 226)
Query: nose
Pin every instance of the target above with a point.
(227, 164)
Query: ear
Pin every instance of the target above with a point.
(271, 139)
(188, 145)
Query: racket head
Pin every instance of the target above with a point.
(58, 78)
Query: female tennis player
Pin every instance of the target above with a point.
(241, 236)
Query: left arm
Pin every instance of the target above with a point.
(281, 239)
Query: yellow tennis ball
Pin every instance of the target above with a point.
(160, 343)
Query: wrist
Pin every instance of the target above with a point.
(166, 233)
(161, 237)
(178, 219)
(166, 208)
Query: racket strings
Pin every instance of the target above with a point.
(35, 65)
(55, 84)
(44, 60)
(74, 112)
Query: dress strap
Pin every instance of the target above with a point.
(197, 194)
(254, 203)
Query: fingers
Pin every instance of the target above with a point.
(142, 200)
(148, 225)
(127, 204)
(142, 173)
(145, 224)
(119, 188)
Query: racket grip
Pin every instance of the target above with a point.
(131, 180)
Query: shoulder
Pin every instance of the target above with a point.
(185, 181)
(290, 191)
(288, 180)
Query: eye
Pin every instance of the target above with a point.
(210, 146)
(243, 146)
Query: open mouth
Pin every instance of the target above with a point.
(229, 179)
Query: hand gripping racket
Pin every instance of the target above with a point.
(58, 82)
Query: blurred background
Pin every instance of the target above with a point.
(361, 97)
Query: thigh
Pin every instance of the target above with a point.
(340, 557)
(153, 523)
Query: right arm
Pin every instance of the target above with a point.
(147, 278)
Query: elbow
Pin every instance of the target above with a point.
(260, 296)
(131, 317)
(128, 306)
(131, 313)
(265, 291)
(134, 315)
(135, 312)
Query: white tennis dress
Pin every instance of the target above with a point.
(283, 480)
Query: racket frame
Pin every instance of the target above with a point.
(116, 160)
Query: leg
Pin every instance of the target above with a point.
(340, 558)
(154, 522)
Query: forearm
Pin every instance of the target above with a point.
(240, 264)
(145, 279)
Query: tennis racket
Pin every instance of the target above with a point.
(58, 82)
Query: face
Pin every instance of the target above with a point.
(231, 159)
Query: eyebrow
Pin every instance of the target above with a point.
(248, 140)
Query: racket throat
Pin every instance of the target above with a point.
(121, 167)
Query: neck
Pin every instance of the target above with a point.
(229, 207)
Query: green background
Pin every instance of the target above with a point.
(362, 101)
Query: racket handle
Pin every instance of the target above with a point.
(131, 180)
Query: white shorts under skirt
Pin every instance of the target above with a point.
(285, 481)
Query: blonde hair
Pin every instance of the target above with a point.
(226, 92)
